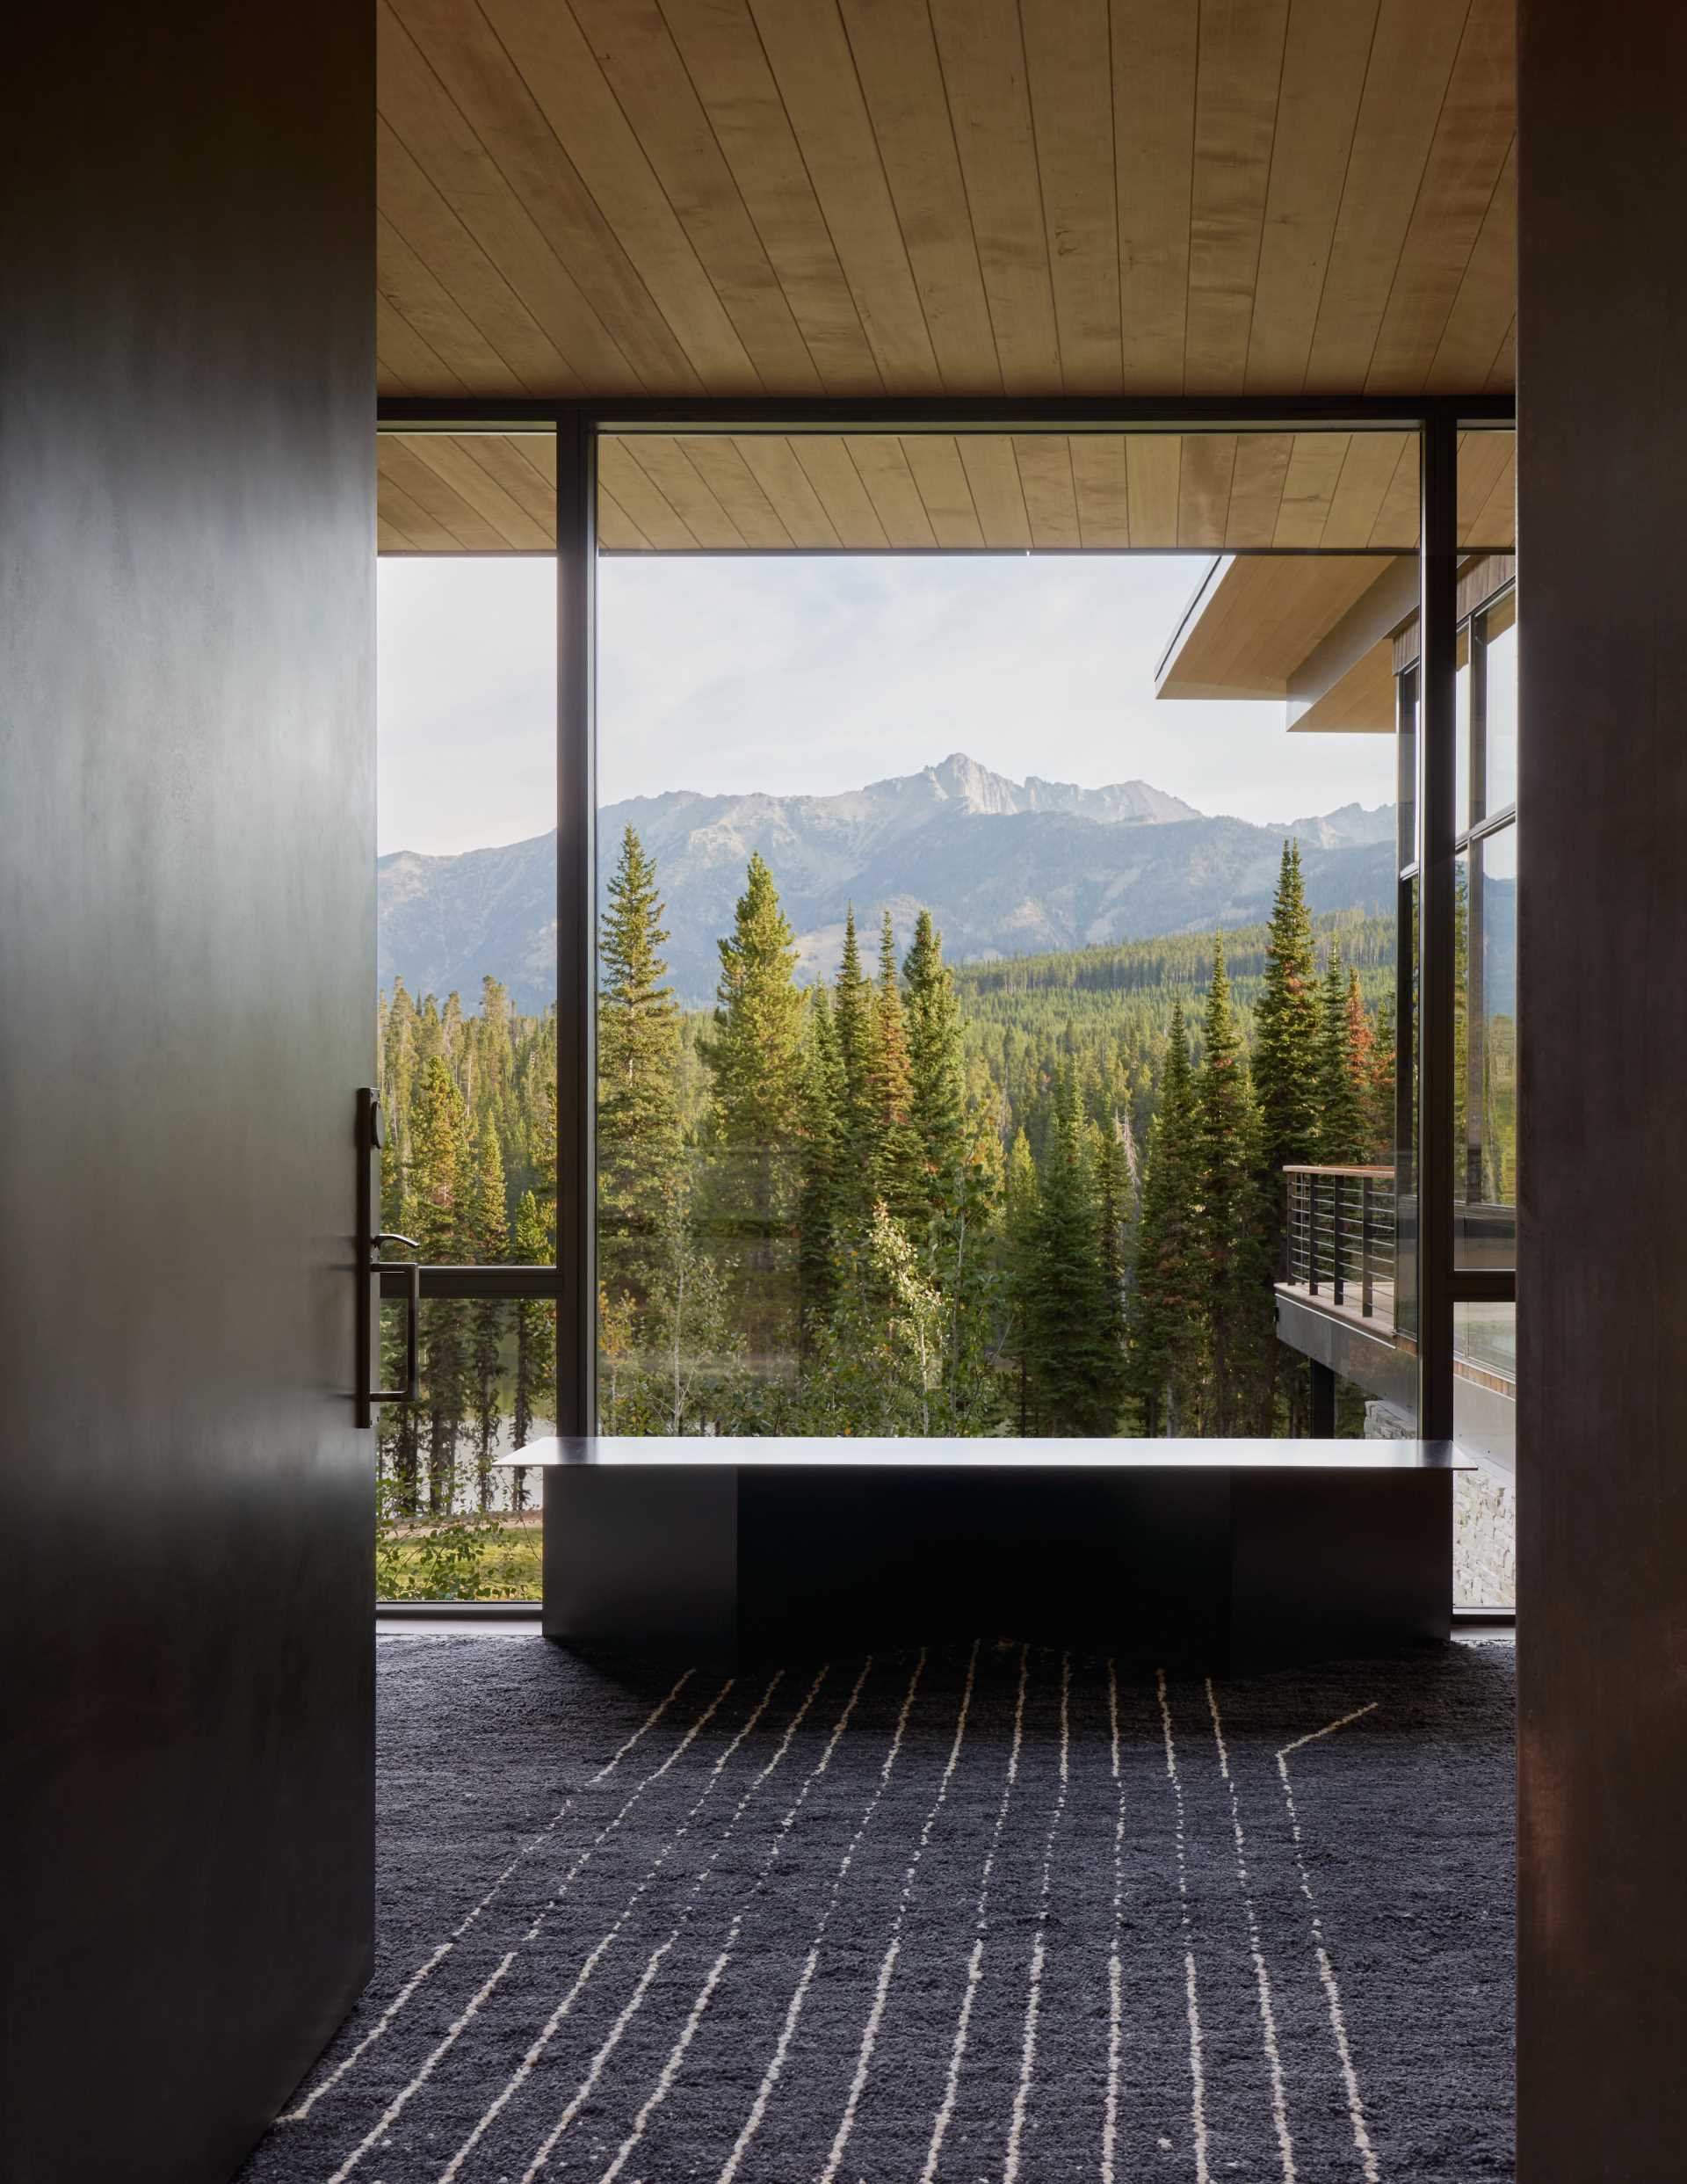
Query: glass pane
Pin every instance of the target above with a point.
(902, 1037)
(1500, 718)
(466, 1010)
(1486, 1041)
(1461, 733)
(452, 1521)
(1406, 770)
(1484, 1410)
(1406, 1166)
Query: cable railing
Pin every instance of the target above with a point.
(1340, 1238)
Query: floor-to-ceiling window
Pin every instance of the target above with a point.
(961, 1002)
(467, 1009)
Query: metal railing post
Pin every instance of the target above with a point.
(1367, 1288)
(1312, 1235)
(1337, 1230)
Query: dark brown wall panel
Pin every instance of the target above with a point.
(187, 967)
(1602, 1430)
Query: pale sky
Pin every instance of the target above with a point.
(815, 673)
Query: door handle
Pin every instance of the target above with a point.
(411, 1391)
(367, 1265)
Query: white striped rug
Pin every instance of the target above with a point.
(995, 1916)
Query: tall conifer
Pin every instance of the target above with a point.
(1167, 1318)
(638, 1061)
(1076, 1365)
(1236, 1272)
(1341, 1124)
(756, 1058)
(1286, 1055)
(937, 1099)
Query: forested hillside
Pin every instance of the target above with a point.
(1035, 1196)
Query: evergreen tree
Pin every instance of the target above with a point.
(854, 1019)
(1379, 1098)
(1076, 1366)
(822, 1195)
(535, 1337)
(1235, 1270)
(1167, 1318)
(936, 1096)
(639, 1147)
(1020, 1207)
(756, 1059)
(440, 1177)
(489, 1235)
(1285, 1052)
(897, 1171)
(1340, 1125)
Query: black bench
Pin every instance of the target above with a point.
(1207, 1553)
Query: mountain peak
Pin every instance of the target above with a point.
(1005, 867)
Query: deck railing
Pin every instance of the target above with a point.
(1340, 1238)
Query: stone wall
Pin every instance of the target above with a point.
(1484, 1521)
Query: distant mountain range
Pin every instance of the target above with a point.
(1006, 869)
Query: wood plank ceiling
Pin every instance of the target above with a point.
(838, 198)
(442, 493)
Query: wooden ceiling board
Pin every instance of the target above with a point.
(993, 478)
(533, 239)
(895, 497)
(1069, 69)
(830, 469)
(633, 47)
(719, 463)
(1260, 618)
(1472, 139)
(982, 53)
(1153, 464)
(1412, 58)
(1256, 487)
(1309, 492)
(530, 58)
(772, 459)
(1237, 89)
(1155, 50)
(1483, 310)
(940, 478)
(722, 53)
(896, 55)
(1101, 484)
(727, 197)
(808, 52)
(1203, 482)
(1325, 57)
(1044, 463)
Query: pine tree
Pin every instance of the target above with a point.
(897, 1169)
(535, 1337)
(639, 1144)
(1167, 1318)
(440, 1177)
(821, 1193)
(489, 1235)
(1076, 1366)
(1236, 1272)
(756, 1059)
(1341, 1125)
(1286, 1055)
(936, 1095)
(854, 1020)
(1378, 1100)
(1019, 1218)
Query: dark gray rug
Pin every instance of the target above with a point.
(999, 1916)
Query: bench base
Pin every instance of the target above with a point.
(1214, 1565)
